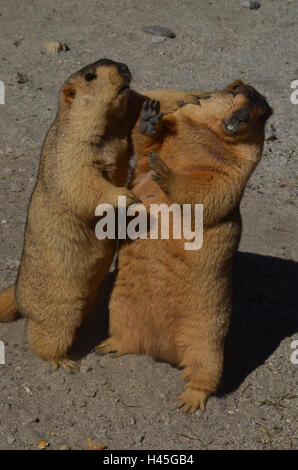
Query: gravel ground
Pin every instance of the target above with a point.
(129, 403)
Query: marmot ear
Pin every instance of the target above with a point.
(68, 93)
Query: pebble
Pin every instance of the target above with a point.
(251, 4)
(42, 444)
(160, 31)
(18, 42)
(54, 47)
(156, 39)
(271, 134)
(22, 78)
(271, 137)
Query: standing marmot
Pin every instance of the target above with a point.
(172, 303)
(84, 158)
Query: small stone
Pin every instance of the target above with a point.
(22, 78)
(251, 4)
(159, 31)
(42, 444)
(271, 134)
(156, 39)
(54, 47)
(18, 42)
(64, 447)
(271, 137)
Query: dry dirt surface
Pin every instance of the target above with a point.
(129, 403)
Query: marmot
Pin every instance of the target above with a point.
(168, 302)
(92, 133)
(84, 159)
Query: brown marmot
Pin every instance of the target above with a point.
(84, 159)
(171, 303)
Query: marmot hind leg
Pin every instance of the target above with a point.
(202, 370)
(111, 345)
(52, 342)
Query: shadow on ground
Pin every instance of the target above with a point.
(265, 312)
(95, 327)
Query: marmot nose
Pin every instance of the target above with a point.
(124, 70)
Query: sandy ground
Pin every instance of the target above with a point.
(129, 403)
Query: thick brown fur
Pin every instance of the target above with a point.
(168, 302)
(84, 160)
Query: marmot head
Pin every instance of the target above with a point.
(237, 114)
(96, 94)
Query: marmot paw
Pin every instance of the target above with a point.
(192, 399)
(67, 364)
(162, 171)
(150, 116)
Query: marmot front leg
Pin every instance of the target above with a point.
(212, 188)
(162, 175)
(150, 118)
(148, 132)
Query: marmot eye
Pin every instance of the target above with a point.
(122, 68)
(90, 76)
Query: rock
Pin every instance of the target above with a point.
(18, 42)
(22, 78)
(54, 47)
(157, 39)
(251, 4)
(271, 136)
(159, 31)
(42, 444)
